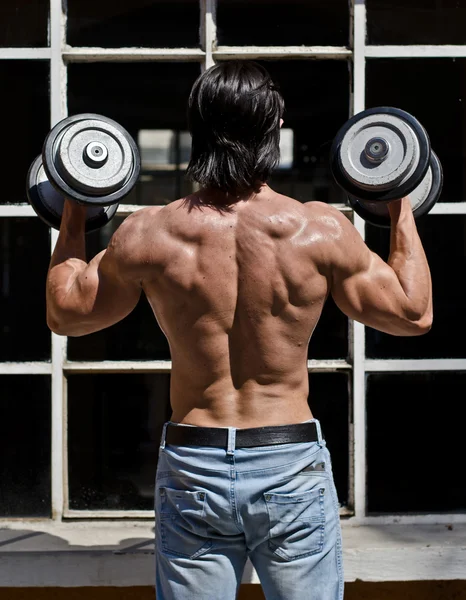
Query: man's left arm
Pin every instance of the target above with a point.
(86, 297)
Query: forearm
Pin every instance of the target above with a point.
(71, 238)
(408, 260)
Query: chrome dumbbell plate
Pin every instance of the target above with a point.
(383, 154)
(91, 159)
(48, 202)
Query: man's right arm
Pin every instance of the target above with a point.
(393, 296)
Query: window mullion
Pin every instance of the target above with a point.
(58, 111)
(416, 51)
(282, 52)
(24, 53)
(25, 368)
(89, 54)
(357, 333)
(208, 30)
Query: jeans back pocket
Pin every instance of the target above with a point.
(297, 523)
(181, 522)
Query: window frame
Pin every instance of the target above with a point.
(59, 55)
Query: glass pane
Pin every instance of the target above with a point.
(137, 337)
(330, 403)
(330, 337)
(24, 261)
(26, 105)
(139, 23)
(440, 107)
(408, 442)
(444, 240)
(115, 423)
(114, 428)
(24, 23)
(158, 124)
(25, 439)
(314, 118)
(416, 21)
(278, 23)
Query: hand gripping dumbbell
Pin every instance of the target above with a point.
(87, 158)
(383, 154)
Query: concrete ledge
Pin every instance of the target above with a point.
(405, 552)
(121, 554)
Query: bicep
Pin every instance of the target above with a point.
(98, 295)
(108, 291)
(371, 294)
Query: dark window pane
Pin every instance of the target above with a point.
(277, 23)
(407, 442)
(329, 402)
(444, 240)
(416, 21)
(314, 119)
(114, 428)
(330, 337)
(23, 23)
(137, 337)
(25, 106)
(24, 260)
(25, 440)
(109, 24)
(408, 84)
(115, 422)
(150, 101)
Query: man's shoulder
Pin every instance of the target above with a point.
(327, 217)
(309, 209)
(320, 208)
(141, 219)
(130, 239)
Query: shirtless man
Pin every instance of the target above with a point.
(237, 276)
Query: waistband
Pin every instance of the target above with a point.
(230, 438)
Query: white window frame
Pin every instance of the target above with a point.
(59, 54)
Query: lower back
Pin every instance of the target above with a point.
(221, 404)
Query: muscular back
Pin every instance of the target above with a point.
(238, 293)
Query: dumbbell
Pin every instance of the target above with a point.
(383, 154)
(87, 158)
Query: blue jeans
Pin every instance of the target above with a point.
(216, 507)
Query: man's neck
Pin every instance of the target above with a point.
(216, 197)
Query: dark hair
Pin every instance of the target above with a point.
(234, 116)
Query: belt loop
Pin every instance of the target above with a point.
(319, 431)
(231, 441)
(164, 435)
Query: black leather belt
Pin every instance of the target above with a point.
(245, 438)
